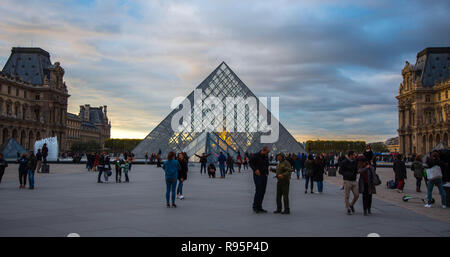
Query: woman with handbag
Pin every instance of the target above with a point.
(368, 179)
(434, 176)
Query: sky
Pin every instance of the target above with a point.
(336, 65)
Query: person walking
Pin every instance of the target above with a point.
(318, 170)
(260, 166)
(230, 164)
(203, 160)
(182, 175)
(31, 167)
(118, 167)
(400, 173)
(245, 163)
(283, 172)
(222, 159)
(3, 166)
(348, 169)
(298, 165)
(434, 162)
(309, 172)
(23, 170)
(38, 161)
(107, 168)
(171, 167)
(366, 184)
(239, 162)
(418, 169)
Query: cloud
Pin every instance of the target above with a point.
(335, 65)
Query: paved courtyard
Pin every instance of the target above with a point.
(71, 201)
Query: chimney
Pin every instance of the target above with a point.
(105, 111)
(86, 112)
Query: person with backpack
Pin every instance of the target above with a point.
(400, 173)
(418, 169)
(434, 176)
(366, 183)
(171, 167)
(309, 172)
(348, 169)
(3, 166)
(182, 175)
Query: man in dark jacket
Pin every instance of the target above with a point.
(348, 169)
(222, 159)
(400, 173)
(45, 153)
(259, 163)
(203, 159)
(3, 165)
(31, 167)
(101, 167)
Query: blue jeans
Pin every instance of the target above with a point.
(438, 184)
(180, 188)
(222, 169)
(309, 179)
(31, 178)
(320, 186)
(203, 168)
(298, 172)
(171, 184)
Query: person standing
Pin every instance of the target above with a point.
(171, 167)
(298, 165)
(182, 175)
(118, 170)
(283, 172)
(31, 167)
(418, 169)
(366, 184)
(107, 168)
(124, 165)
(309, 172)
(203, 160)
(348, 169)
(146, 157)
(230, 164)
(434, 162)
(319, 169)
(100, 167)
(39, 161)
(44, 153)
(222, 159)
(260, 166)
(23, 170)
(400, 173)
(3, 166)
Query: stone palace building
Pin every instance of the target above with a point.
(423, 102)
(33, 103)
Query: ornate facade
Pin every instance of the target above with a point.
(34, 99)
(91, 124)
(423, 102)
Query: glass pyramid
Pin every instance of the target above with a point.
(221, 83)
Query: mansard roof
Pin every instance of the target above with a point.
(31, 64)
(433, 65)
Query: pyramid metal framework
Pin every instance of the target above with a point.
(221, 83)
